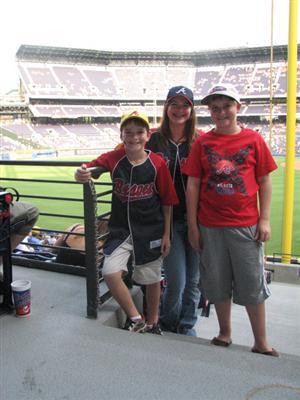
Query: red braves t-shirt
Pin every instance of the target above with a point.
(229, 167)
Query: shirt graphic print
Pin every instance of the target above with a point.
(224, 176)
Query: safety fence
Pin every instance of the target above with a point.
(92, 212)
(96, 204)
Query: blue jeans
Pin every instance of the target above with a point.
(181, 296)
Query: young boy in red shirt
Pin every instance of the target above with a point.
(143, 194)
(228, 171)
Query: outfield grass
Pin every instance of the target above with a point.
(75, 191)
(277, 211)
(72, 190)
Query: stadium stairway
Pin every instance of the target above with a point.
(58, 353)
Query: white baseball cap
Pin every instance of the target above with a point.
(222, 90)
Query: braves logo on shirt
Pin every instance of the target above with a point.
(164, 157)
(134, 192)
(183, 161)
(224, 171)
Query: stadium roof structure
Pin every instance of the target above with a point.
(44, 54)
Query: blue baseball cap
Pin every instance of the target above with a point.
(181, 91)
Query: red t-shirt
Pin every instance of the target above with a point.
(229, 167)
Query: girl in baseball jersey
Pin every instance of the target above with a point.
(173, 141)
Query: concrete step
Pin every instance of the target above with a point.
(283, 322)
(58, 353)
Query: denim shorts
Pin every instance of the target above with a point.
(145, 274)
(232, 265)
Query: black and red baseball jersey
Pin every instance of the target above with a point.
(139, 192)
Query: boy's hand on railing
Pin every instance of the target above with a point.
(82, 174)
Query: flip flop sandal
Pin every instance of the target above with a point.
(219, 342)
(272, 353)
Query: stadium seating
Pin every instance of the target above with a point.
(78, 106)
(75, 81)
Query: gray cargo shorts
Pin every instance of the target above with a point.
(232, 265)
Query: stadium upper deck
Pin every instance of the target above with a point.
(74, 97)
(72, 74)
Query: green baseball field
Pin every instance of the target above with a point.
(74, 190)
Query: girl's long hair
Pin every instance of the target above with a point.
(189, 129)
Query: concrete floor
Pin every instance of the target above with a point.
(58, 354)
(283, 320)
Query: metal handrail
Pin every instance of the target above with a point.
(90, 201)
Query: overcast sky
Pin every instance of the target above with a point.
(154, 25)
